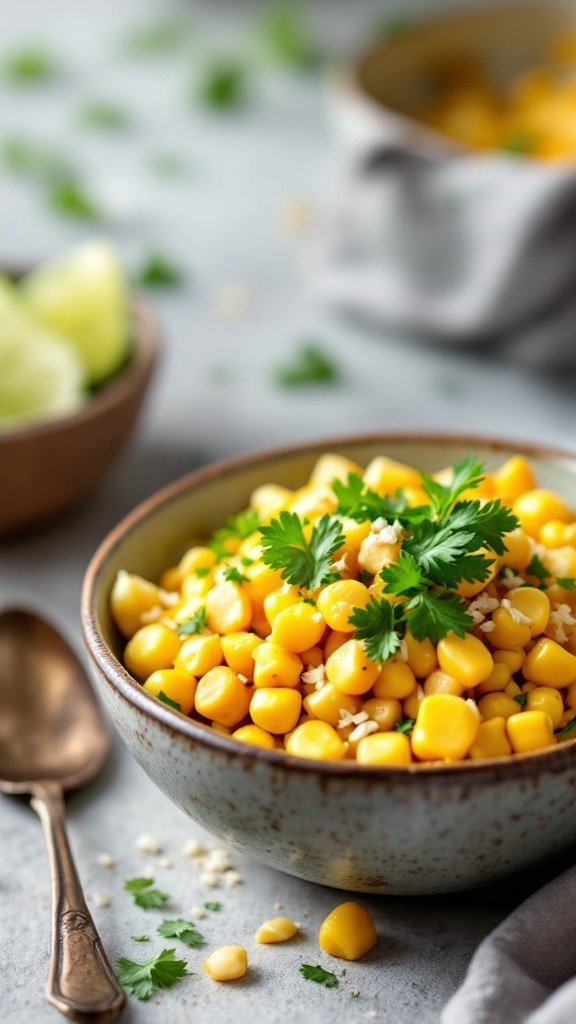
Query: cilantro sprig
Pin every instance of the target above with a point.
(318, 974)
(306, 563)
(194, 625)
(143, 978)
(178, 928)
(237, 528)
(145, 895)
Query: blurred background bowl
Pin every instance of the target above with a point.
(50, 466)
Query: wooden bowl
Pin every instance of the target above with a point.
(48, 467)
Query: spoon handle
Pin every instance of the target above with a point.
(81, 982)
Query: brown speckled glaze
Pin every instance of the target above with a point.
(415, 830)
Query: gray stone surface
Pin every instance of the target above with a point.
(221, 225)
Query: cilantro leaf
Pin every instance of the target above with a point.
(144, 895)
(30, 66)
(103, 115)
(169, 165)
(156, 39)
(318, 974)
(405, 725)
(143, 978)
(69, 198)
(285, 36)
(212, 905)
(488, 522)
(435, 613)
(403, 575)
(29, 157)
(158, 272)
(519, 143)
(537, 568)
(178, 928)
(223, 84)
(234, 575)
(568, 582)
(225, 540)
(467, 473)
(357, 501)
(303, 563)
(140, 938)
(568, 731)
(202, 571)
(521, 699)
(196, 624)
(309, 365)
(375, 625)
(441, 553)
(168, 700)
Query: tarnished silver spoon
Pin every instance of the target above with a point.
(52, 738)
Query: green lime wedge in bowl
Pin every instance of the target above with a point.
(83, 297)
(41, 375)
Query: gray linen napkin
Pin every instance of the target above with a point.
(463, 249)
(524, 972)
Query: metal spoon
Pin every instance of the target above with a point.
(52, 738)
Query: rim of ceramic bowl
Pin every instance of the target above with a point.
(139, 365)
(554, 758)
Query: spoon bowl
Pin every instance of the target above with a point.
(53, 738)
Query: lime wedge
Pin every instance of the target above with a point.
(41, 375)
(83, 297)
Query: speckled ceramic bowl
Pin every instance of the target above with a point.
(421, 829)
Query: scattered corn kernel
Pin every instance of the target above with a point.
(277, 929)
(348, 932)
(228, 963)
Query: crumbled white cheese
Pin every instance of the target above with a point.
(232, 301)
(106, 860)
(192, 848)
(476, 615)
(169, 598)
(347, 718)
(511, 580)
(102, 898)
(197, 912)
(362, 730)
(484, 603)
(342, 564)
(151, 615)
(378, 524)
(164, 862)
(147, 843)
(210, 880)
(403, 651)
(314, 677)
(561, 616)
(487, 627)
(516, 614)
(232, 878)
(354, 992)
(217, 860)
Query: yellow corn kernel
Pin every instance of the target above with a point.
(512, 689)
(534, 604)
(354, 533)
(131, 597)
(466, 589)
(278, 600)
(508, 633)
(421, 654)
(546, 698)
(570, 534)
(571, 696)
(440, 682)
(228, 608)
(333, 467)
(317, 740)
(276, 709)
(411, 705)
(553, 534)
(277, 929)
(386, 476)
(528, 687)
(255, 735)
(275, 666)
(497, 680)
(298, 627)
(152, 647)
(333, 641)
(238, 650)
(338, 600)
(518, 550)
(512, 659)
(561, 562)
(251, 547)
(396, 679)
(268, 499)
(497, 705)
(329, 702)
(348, 932)
(185, 611)
(445, 728)
(199, 654)
(385, 711)
(465, 658)
(384, 748)
(313, 657)
(228, 963)
(548, 664)
(491, 740)
(260, 624)
(261, 580)
(222, 730)
(196, 558)
(350, 668)
(197, 586)
(536, 507)
(514, 478)
(222, 697)
(311, 502)
(171, 579)
(530, 730)
(176, 685)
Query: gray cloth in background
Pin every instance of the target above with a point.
(524, 972)
(461, 249)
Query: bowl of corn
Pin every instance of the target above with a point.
(355, 661)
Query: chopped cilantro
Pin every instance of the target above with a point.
(521, 699)
(537, 568)
(233, 575)
(375, 625)
(29, 157)
(69, 198)
(568, 731)
(212, 905)
(303, 563)
(519, 143)
(144, 894)
(467, 473)
(285, 36)
(202, 571)
(143, 978)
(30, 66)
(223, 84)
(104, 115)
(236, 529)
(157, 39)
(319, 975)
(196, 624)
(178, 928)
(405, 725)
(568, 582)
(309, 365)
(168, 700)
(159, 272)
(140, 938)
